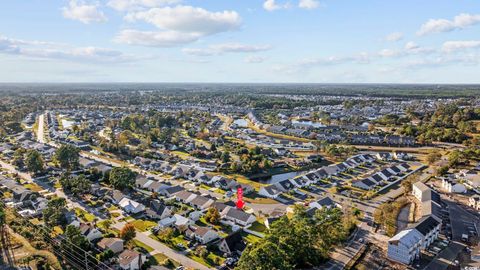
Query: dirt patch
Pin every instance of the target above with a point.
(403, 217)
(375, 258)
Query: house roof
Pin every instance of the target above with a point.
(127, 256)
(407, 238)
(235, 242)
(184, 195)
(272, 190)
(174, 189)
(107, 242)
(426, 225)
(325, 201)
(200, 201)
(238, 214)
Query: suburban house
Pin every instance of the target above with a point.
(270, 191)
(201, 202)
(131, 206)
(451, 185)
(404, 247)
(233, 244)
(114, 244)
(175, 221)
(203, 235)
(170, 191)
(239, 217)
(89, 231)
(474, 201)
(323, 202)
(185, 196)
(130, 260)
(420, 190)
(429, 227)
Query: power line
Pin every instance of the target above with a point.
(75, 253)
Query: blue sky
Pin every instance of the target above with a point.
(324, 41)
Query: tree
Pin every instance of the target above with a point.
(433, 157)
(67, 157)
(264, 256)
(77, 185)
(297, 242)
(75, 238)
(212, 216)
(441, 171)
(18, 157)
(201, 251)
(128, 232)
(106, 255)
(407, 184)
(34, 161)
(166, 234)
(54, 213)
(122, 178)
(106, 224)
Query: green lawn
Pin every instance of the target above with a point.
(161, 259)
(143, 225)
(33, 187)
(84, 215)
(143, 245)
(258, 227)
(250, 238)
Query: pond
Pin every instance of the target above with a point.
(241, 122)
(67, 123)
(279, 177)
(309, 123)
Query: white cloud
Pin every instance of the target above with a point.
(395, 36)
(155, 38)
(271, 5)
(362, 58)
(460, 21)
(189, 19)
(218, 49)
(308, 4)
(452, 46)
(126, 5)
(199, 52)
(85, 13)
(410, 48)
(178, 25)
(237, 47)
(49, 50)
(389, 53)
(254, 59)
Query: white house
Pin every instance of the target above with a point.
(420, 190)
(239, 217)
(474, 201)
(131, 206)
(450, 186)
(405, 246)
(323, 202)
(429, 227)
(204, 235)
(130, 260)
(89, 231)
(270, 191)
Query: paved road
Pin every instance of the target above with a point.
(161, 248)
(41, 129)
(28, 178)
(342, 255)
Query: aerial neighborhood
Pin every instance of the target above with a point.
(163, 181)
